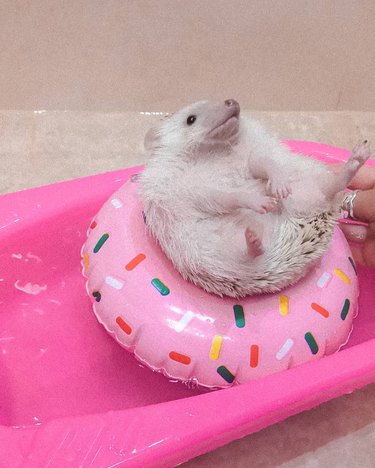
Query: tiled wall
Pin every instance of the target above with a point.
(158, 54)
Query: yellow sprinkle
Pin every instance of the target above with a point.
(342, 276)
(86, 260)
(284, 305)
(216, 347)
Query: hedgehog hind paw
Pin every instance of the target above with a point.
(253, 243)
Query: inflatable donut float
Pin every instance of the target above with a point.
(176, 328)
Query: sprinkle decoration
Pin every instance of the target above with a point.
(284, 305)
(321, 310)
(342, 276)
(353, 265)
(185, 320)
(254, 359)
(85, 261)
(161, 287)
(310, 340)
(123, 325)
(323, 280)
(254, 356)
(100, 242)
(285, 348)
(345, 309)
(116, 203)
(115, 283)
(239, 315)
(135, 262)
(97, 296)
(225, 374)
(181, 358)
(216, 347)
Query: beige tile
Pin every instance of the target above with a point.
(155, 55)
(44, 147)
(16, 141)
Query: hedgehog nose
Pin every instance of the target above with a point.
(234, 107)
(231, 103)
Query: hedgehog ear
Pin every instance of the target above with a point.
(152, 139)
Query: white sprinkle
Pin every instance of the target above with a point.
(115, 283)
(116, 203)
(285, 348)
(186, 319)
(323, 280)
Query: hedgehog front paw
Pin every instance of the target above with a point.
(263, 204)
(278, 189)
(361, 153)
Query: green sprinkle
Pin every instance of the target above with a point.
(353, 265)
(225, 373)
(100, 242)
(239, 315)
(161, 287)
(310, 340)
(345, 309)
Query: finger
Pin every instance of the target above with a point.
(354, 233)
(364, 179)
(363, 206)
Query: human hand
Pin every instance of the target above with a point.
(363, 210)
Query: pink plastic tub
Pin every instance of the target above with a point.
(71, 396)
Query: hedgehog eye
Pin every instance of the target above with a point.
(191, 119)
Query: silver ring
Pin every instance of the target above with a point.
(347, 203)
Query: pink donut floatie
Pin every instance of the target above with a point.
(176, 328)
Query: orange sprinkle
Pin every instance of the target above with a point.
(136, 261)
(123, 325)
(86, 261)
(93, 225)
(321, 310)
(254, 355)
(181, 358)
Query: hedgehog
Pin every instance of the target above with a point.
(236, 211)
